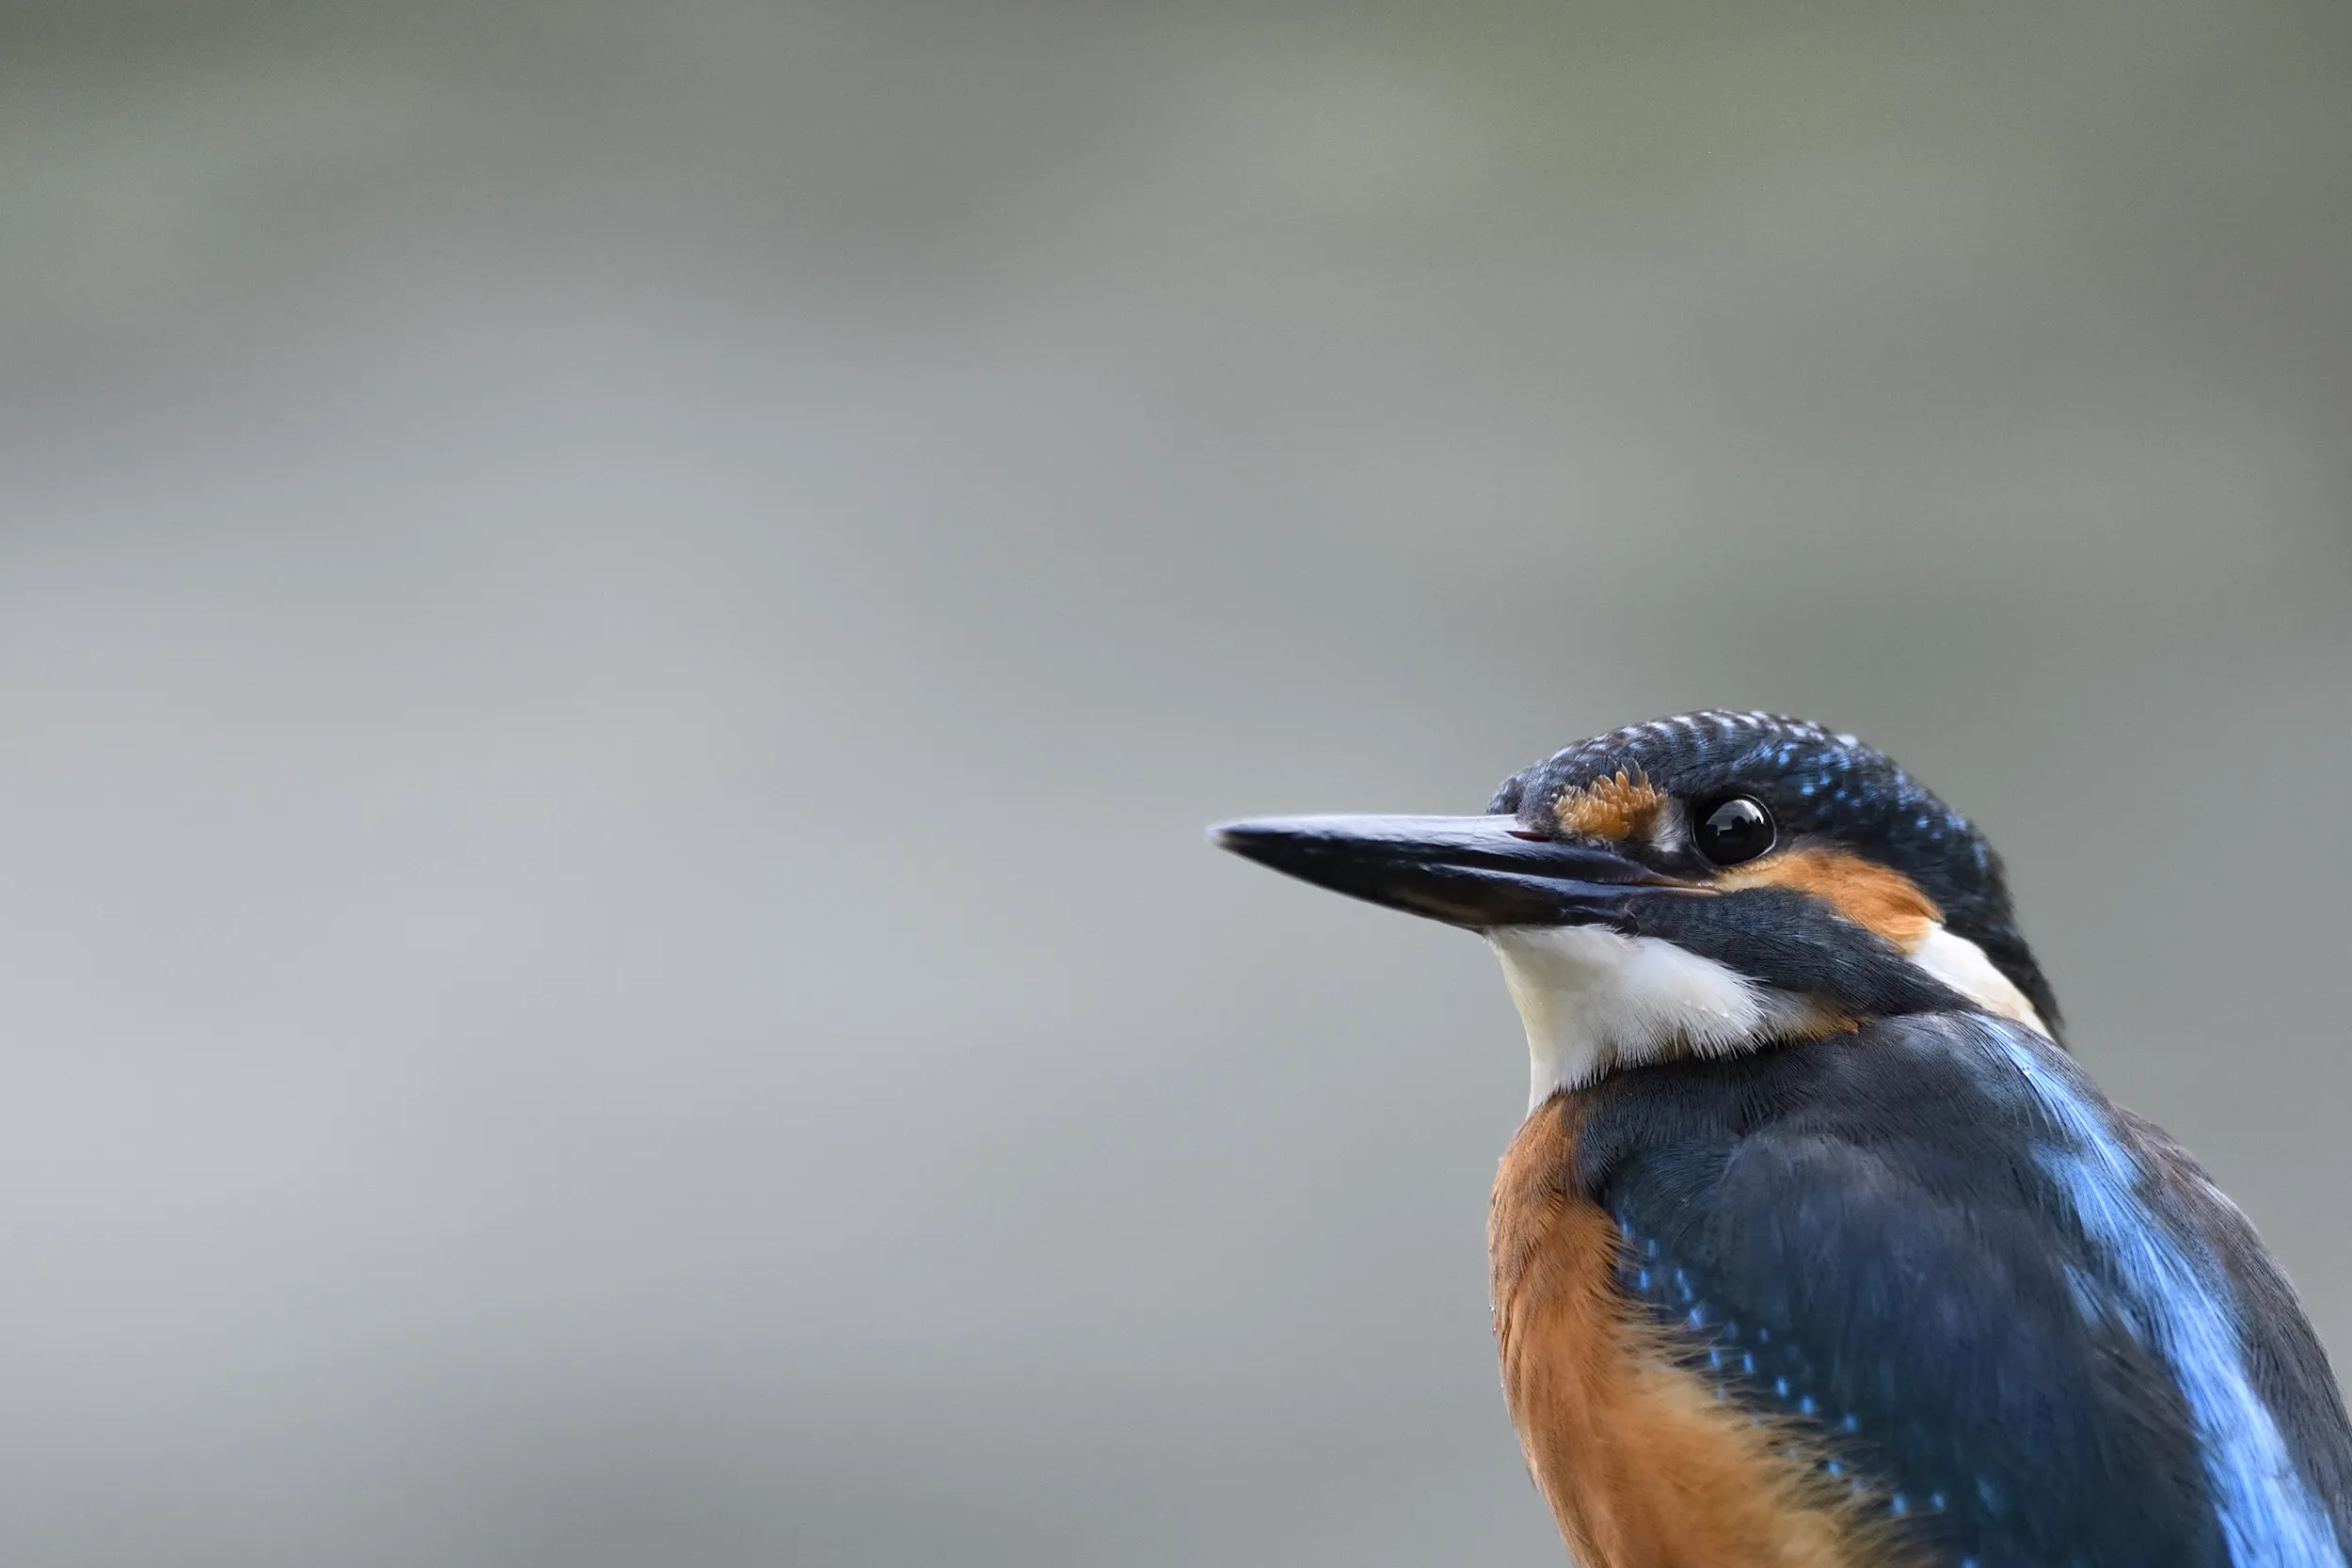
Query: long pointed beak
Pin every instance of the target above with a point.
(1477, 872)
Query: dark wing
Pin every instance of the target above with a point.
(1880, 1236)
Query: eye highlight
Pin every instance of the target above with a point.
(1734, 829)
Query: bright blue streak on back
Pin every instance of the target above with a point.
(2268, 1516)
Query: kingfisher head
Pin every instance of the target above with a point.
(1696, 886)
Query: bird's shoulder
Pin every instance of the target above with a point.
(1934, 1242)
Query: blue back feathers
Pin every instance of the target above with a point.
(2025, 1336)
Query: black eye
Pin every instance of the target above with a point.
(1733, 830)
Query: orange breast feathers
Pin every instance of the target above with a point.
(1643, 1467)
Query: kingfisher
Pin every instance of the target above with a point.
(1817, 1250)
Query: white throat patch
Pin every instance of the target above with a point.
(1593, 1000)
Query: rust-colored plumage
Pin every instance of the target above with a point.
(1617, 808)
(1642, 1465)
(1875, 897)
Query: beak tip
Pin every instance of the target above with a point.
(1249, 840)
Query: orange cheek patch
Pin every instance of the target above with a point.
(1863, 892)
(1617, 808)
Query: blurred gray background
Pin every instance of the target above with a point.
(620, 622)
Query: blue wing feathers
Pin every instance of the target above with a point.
(1936, 1243)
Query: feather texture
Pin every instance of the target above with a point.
(2015, 1319)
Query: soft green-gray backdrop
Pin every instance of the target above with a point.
(617, 623)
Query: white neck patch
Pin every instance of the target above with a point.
(1961, 965)
(1593, 1000)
